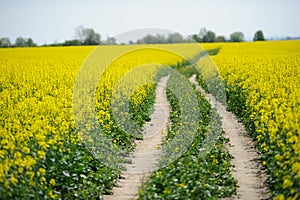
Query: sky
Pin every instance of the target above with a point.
(55, 21)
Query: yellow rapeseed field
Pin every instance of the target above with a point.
(40, 152)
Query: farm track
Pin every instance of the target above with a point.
(145, 157)
(247, 169)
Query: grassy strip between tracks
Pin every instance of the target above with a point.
(192, 175)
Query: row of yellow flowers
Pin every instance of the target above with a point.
(262, 82)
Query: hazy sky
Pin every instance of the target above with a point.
(55, 20)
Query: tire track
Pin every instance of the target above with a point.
(145, 157)
(247, 169)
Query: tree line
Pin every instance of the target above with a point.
(203, 36)
(88, 36)
(20, 42)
